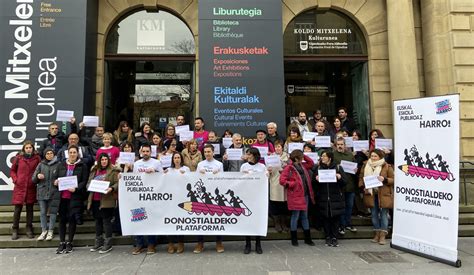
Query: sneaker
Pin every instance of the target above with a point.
(328, 241)
(69, 247)
(199, 248)
(341, 231)
(334, 242)
(138, 250)
(219, 247)
(61, 248)
(50, 235)
(42, 237)
(351, 228)
(105, 249)
(150, 249)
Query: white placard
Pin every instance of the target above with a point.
(62, 115)
(154, 149)
(383, 143)
(263, 151)
(181, 128)
(313, 156)
(91, 121)
(166, 160)
(360, 145)
(226, 142)
(327, 175)
(272, 161)
(323, 141)
(186, 136)
(372, 182)
(217, 148)
(427, 179)
(349, 142)
(309, 136)
(98, 186)
(295, 146)
(349, 167)
(126, 158)
(64, 183)
(183, 211)
(234, 154)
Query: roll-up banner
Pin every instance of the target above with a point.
(229, 203)
(44, 53)
(241, 83)
(427, 177)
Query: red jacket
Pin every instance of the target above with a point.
(291, 179)
(24, 190)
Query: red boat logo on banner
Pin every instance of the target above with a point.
(425, 168)
(203, 202)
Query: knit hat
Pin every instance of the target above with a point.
(48, 149)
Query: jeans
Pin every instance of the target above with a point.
(346, 217)
(140, 240)
(296, 214)
(44, 205)
(379, 216)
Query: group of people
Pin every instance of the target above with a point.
(295, 188)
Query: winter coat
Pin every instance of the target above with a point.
(45, 188)
(278, 192)
(329, 197)
(291, 179)
(106, 200)
(385, 192)
(76, 204)
(87, 157)
(351, 182)
(140, 140)
(234, 165)
(60, 139)
(24, 190)
(191, 160)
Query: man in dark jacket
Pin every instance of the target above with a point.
(272, 134)
(349, 189)
(85, 153)
(55, 139)
(346, 122)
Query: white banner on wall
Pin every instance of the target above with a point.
(427, 177)
(229, 203)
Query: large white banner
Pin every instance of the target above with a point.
(229, 203)
(427, 176)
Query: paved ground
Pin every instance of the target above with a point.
(279, 258)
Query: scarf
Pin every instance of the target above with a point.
(373, 168)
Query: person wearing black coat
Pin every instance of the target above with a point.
(329, 197)
(71, 204)
(55, 140)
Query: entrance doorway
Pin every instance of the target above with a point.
(326, 86)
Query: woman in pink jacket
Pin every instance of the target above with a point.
(296, 178)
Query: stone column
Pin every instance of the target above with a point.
(402, 50)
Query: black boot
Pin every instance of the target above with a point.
(247, 245)
(16, 221)
(294, 238)
(307, 238)
(258, 246)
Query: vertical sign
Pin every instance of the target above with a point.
(42, 69)
(241, 64)
(427, 177)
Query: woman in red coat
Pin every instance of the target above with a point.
(24, 190)
(295, 177)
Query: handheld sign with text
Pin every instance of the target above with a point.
(63, 115)
(327, 175)
(181, 128)
(323, 141)
(65, 183)
(226, 142)
(126, 158)
(165, 160)
(272, 161)
(383, 143)
(91, 121)
(98, 186)
(234, 154)
(313, 156)
(217, 148)
(186, 135)
(295, 146)
(349, 166)
(154, 149)
(309, 136)
(372, 182)
(263, 151)
(349, 142)
(360, 145)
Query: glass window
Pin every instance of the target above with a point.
(323, 33)
(150, 33)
